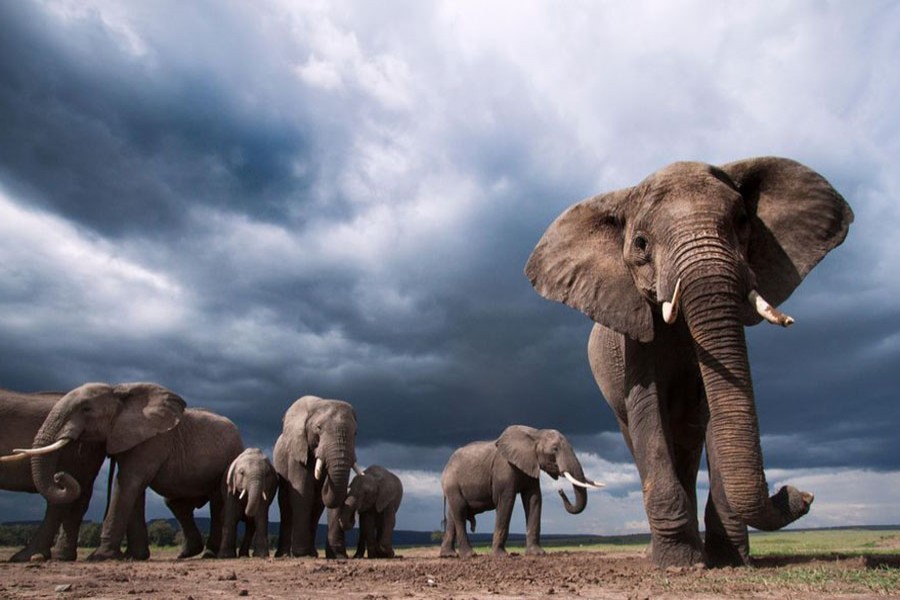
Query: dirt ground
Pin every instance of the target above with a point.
(420, 574)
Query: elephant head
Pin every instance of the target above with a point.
(719, 247)
(374, 489)
(323, 432)
(252, 476)
(533, 450)
(122, 416)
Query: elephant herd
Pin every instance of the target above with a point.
(55, 444)
(670, 271)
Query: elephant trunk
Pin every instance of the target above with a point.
(55, 487)
(339, 458)
(713, 298)
(568, 463)
(254, 497)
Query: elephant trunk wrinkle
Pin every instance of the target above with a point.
(253, 489)
(711, 303)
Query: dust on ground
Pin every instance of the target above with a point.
(420, 574)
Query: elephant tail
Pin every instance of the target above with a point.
(109, 484)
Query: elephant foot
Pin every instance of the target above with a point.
(499, 551)
(535, 550)
(101, 554)
(227, 553)
(189, 552)
(665, 555)
(264, 553)
(26, 554)
(466, 553)
(207, 554)
(448, 553)
(303, 552)
(64, 556)
(137, 553)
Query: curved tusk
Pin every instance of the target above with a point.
(228, 477)
(265, 498)
(574, 481)
(243, 493)
(43, 450)
(670, 308)
(13, 457)
(596, 484)
(769, 312)
(320, 465)
(359, 470)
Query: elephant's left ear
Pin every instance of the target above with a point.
(796, 217)
(518, 445)
(147, 410)
(579, 261)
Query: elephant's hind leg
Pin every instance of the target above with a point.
(183, 509)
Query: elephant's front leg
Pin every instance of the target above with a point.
(286, 527)
(727, 542)
(531, 501)
(125, 494)
(505, 503)
(40, 542)
(669, 510)
(183, 509)
(335, 546)
(258, 530)
(367, 534)
(137, 538)
(231, 515)
(304, 519)
(214, 539)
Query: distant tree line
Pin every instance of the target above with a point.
(160, 532)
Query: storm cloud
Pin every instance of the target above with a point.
(252, 202)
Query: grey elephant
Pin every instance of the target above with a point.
(248, 490)
(375, 494)
(313, 457)
(182, 454)
(671, 270)
(23, 415)
(484, 476)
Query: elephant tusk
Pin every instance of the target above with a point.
(43, 450)
(13, 457)
(243, 493)
(228, 477)
(574, 481)
(359, 470)
(320, 464)
(265, 498)
(769, 312)
(670, 308)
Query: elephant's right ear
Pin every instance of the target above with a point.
(579, 261)
(518, 445)
(147, 410)
(295, 427)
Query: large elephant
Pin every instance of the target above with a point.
(180, 454)
(22, 417)
(671, 271)
(484, 476)
(376, 495)
(313, 457)
(248, 490)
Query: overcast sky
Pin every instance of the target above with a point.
(250, 202)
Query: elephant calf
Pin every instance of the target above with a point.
(375, 494)
(248, 491)
(483, 476)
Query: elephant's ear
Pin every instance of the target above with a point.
(796, 219)
(295, 427)
(518, 445)
(579, 261)
(147, 410)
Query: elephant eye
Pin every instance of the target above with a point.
(640, 242)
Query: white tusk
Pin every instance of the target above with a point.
(228, 477)
(670, 308)
(243, 493)
(596, 484)
(359, 470)
(13, 457)
(265, 498)
(320, 464)
(574, 481)
(769, 312)
(44, 450)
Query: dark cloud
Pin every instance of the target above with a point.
(250, 204)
